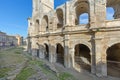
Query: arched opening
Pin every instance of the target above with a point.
(113, 60)
(81, 12)
(59, 13)
(45, 24)
(60, 54)
(37, 25)
(38, 53)
(82, 57)
(46, 52)
(113, 9)
(109, 13)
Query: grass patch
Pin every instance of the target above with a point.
(24, 74)
(4, 71)
(17, 52)
(45, 70)
(66, 76)
(51, 74)
(41, 65)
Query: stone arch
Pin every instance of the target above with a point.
(75, 1)
(83, 42)
(59, 53)
(79, 7)
(112, 42)
(82, 57)
(113, 60)
(45, 23)
(37, 24)
(116, 7)
(60, 17)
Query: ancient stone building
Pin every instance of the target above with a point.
(58, 36)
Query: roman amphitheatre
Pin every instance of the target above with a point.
(58, 35)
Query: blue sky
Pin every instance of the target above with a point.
(14, 14)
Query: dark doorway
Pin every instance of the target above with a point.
(60, 54)
(82, 57)
(113, 60)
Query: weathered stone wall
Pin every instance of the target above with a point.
(59, 26)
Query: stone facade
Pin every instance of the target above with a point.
(56, 35)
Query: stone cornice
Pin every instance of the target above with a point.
(82, 31)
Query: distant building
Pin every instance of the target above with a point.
(2, 39)
(10, 40)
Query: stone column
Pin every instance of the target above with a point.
(66, 52)
(92, 13)
(34, 47)
(72, 61)
(67, 13)
(29, 45)
(100, 13)
(93, 70)
(52, 54)
(41, 52)
(101, 65)
(93, 60)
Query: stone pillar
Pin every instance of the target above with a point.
(67, 13)
(92, 13)
(28, 45)
(66, 52)
(52, 54)
(41, 52)
(72, 60)
(34, 47)
(34, 52)
(93, 70)
(72, 16)
(100, 13)
(101, 65)
(93, 60)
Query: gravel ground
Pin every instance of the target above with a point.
(16, 60)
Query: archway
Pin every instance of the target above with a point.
(37, 26)
(60, 54)
(38, 53)
(113, 60)
(82, 57)
(113, 9)
(59, 13)
(46, 52)
(45, 24)
(81, 8)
